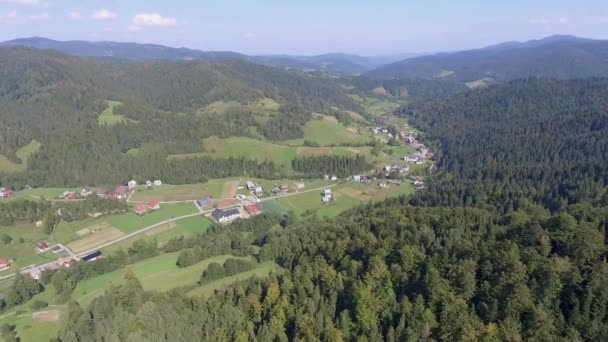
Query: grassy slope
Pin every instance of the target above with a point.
(167, 192)
(159, 273)
(326, 131)
(107, 117)
(261, 270)
(131, 222)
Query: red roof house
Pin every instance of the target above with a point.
(4, 264)
(141, 209)
(253, 210)
(154, 204)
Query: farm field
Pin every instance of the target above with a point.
(131, 222)
(25, 151)
(326, 131)
(347, 196)
(167, 193)
(186, 227)
(261, 270)
(155, 274)
(38, 193)
(222, 107)
(107, 117)
(8, 166)
(377, 106)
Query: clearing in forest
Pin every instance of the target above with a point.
(230, 189)
(107, 117)
(45, 316)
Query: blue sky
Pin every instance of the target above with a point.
(305, 26)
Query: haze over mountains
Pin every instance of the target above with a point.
(334, 63)
(562, 57)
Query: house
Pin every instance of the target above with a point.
(419, 185)
(357, 179)
(391, 136)
(326, 195)
(334, 178)
(2, 189)
(148, 184)
(226, 215)
(86, 191)
(258, 191)
(56, 249)
(141, 209)
(93, 256)
(394, 181)
(154, 205)
(7, 193)
(382, 185)
(250, 186)
(253, 210)
(41, 246)
(203, 202)
(413, 157)
(65, 262)
(102, 192)
(132, 184)
(300, 185)
(276, 191)
(120, 192)
(326, 177)
(35, 273)
(158, 182)
(70, 195)
(388, 168)
(4, 264)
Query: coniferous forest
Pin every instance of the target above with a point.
(508, 242)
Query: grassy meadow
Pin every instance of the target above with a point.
(107, 117)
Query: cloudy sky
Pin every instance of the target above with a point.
(368, 27)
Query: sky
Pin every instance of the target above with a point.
(305, 27)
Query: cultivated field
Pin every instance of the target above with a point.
(167, 193)
(131, 222)
(100, 234)
(7, 166)
(326, 130)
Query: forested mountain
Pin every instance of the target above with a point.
(561, 57)
(385, 272)
(56, 100)
(543, 140)
(336, 63)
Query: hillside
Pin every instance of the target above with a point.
(560, 57)
(539, 140)
(334, 63)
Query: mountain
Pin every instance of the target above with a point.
(561, 57)
(335, 63)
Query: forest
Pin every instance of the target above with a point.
(539, 140)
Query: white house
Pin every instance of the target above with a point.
(158, 183)
(250, 186)
(226, 215)
(148, 184)
(326, 195)
(258, 191)
(357, 178)
(132, 184)
(334, 178)
(300, 185)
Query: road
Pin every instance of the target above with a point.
(143, 230)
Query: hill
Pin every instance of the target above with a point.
(561, 57)
(539, 140)
(334, 63)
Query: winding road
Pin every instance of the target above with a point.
(143, 230)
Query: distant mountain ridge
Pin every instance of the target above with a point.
(333, 63)
(561, 57)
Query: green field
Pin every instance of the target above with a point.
(107, 117)
(260, 271)
(25, 151)
(156, 274)
(23, 252)
(131, 222)
(260, 106)
(7, 166)
(186, 227)
(379, 106)
(347, 195)
(327, 131)
(166, 193)
(39, 193)
(22, 153)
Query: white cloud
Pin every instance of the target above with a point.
(104, 14)
(133, 28)
(539, 21)
(153, 19)
(22, 2)
(249, 35)
(74, 15)
(41, 16)
(563, 20)
(10, 18)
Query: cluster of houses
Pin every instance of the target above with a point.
(142, 209)
(388, 169)
(36, 272)
(418, 182)
(6, 193)
(132, 184)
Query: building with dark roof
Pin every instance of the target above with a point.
(93, 256)
(226, 215)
